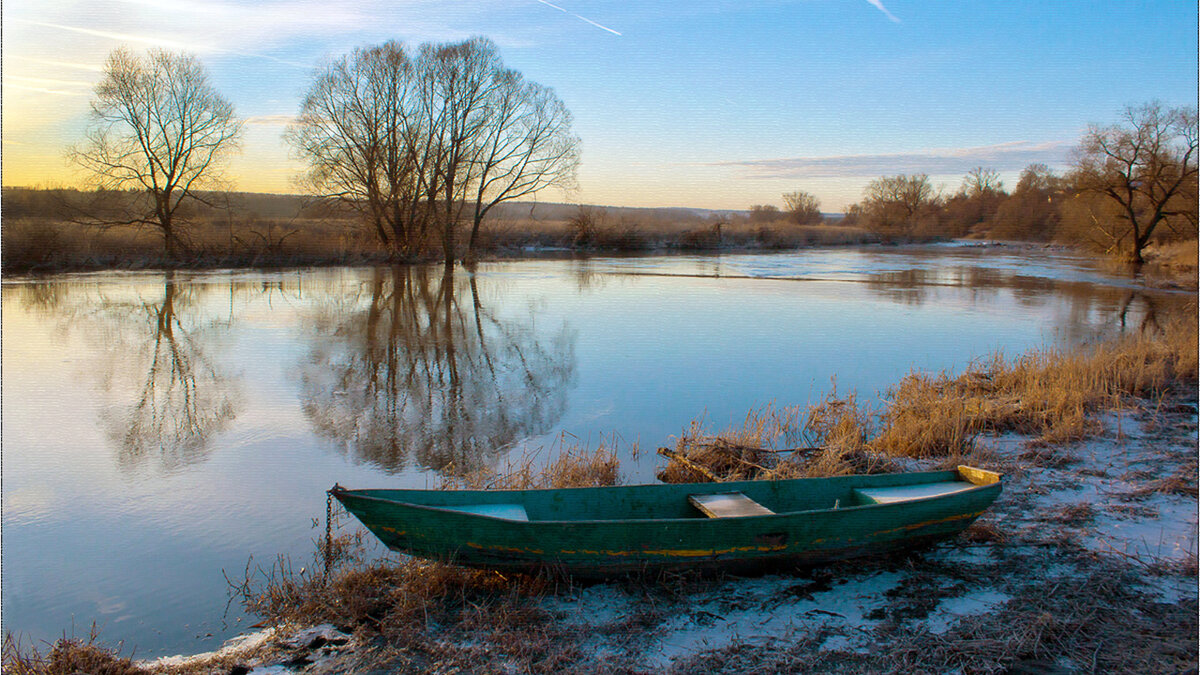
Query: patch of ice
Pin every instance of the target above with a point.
(1169, 535)
(777, 613)
(838, 643)
(235, 645)
(593, 606)
(971, 604)
(325, 632)
(1171, 589)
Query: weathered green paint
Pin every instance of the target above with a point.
(614, 530)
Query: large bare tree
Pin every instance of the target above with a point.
(366, 141)
(527, 146)
(1144, 169)
(981, 181)
(420, 144)
(160, 128)
(458, 84)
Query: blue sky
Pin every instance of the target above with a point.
(705, 104)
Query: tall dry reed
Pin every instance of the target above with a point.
(1050, 395)
(828, 438)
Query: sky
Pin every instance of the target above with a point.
(701, 104)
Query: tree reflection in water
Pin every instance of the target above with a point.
(183, 398)
(161, 396)
(422, 370)
(1092, 310)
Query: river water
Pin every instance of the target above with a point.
(160, 430)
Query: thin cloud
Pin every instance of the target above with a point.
(51, 82)
(156, 41)
(584, 18)
(270, 120)
(120, 37)
(878, 4)
(1009, 156)
(63, 64)
(44, 90)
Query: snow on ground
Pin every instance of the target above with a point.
(1109, 494)
(1102, 495)
(770, 608)
(1066, 513)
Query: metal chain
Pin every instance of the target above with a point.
(328, 531)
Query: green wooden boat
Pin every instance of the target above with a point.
(599, 532)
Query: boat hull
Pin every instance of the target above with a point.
(607, 547)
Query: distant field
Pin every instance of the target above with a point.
(41, 231)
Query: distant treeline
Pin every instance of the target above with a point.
(67, 229)
(1042, 206)
(1130, 184)
(44, 203)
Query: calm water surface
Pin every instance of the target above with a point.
(159, 428)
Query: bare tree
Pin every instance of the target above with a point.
(1145, 168)
(975, 203)
(367, 144)
(765, 213)
(1037, 179)
(802, 207)
(458, 82)
(1032, 210)
(893, 205)
(528, 146)
(160, 128)
(420, 144)
(980, 182)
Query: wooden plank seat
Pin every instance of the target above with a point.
(728, 505)
(505, 511)
(907, 493)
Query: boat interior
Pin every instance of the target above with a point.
(704, 500)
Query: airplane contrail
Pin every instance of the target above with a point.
(160, 42)
(878, 4)
(584, 18)
(122, 37)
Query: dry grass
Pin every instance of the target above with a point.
(825, 439)
(379, 596)
(46, 244)
(420, 616)
(1051, 396)
(574, 466)
(429, 610)
(1073, 515)
(42, 245)
(1096, 624)
(1181, 482)
(1180, 255)
(67, 656)
(1048, 395)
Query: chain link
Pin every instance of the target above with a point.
(328, 531)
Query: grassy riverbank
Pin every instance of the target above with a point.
(1088, 562)
(47, 246)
